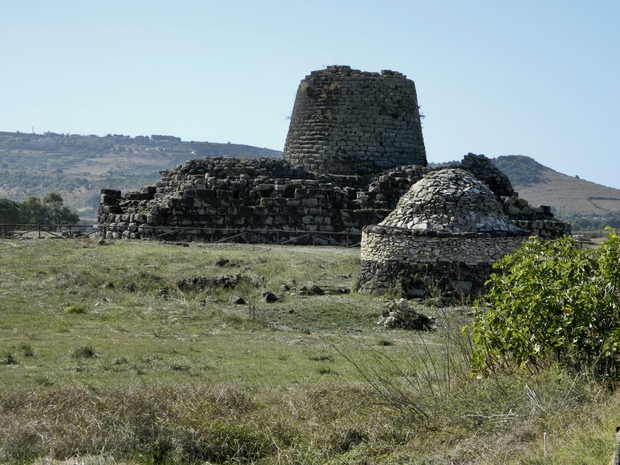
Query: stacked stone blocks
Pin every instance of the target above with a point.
(351, 122)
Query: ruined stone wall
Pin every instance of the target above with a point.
(200, 198)
(347, 121)
(419, 263)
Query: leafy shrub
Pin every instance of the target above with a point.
(75, 308)
(553, 302)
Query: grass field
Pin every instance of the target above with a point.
(132, 352)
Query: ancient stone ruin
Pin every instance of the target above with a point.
(354, 148)
(346, 121)
(443, 236)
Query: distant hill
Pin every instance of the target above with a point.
(541, 185)
(586, 205)
(78, 167)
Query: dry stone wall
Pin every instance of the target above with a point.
(421, 263)
(204, 199)
(445, 234)
(346, 121)
(353, 149)
(213, 198)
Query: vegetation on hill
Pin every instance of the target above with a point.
(581, 222)
(78, 167)
(521, 169)
(50, 211)
(94, 146)
(587, 206)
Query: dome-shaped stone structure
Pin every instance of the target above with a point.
(450, 200)
(443, 237)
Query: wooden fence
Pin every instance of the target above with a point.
(214, 235)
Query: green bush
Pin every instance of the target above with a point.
(553, 302)
(75, 309)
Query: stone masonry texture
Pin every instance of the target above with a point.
(443, 236)
(346, 121)
(354, 165)
(216, 197)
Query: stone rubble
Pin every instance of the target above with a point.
(400, 315)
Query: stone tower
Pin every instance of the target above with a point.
(350, 122)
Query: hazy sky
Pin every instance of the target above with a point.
(532, 77)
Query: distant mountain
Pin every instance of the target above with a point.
(588, 206)
(540, 185)
(78, 167)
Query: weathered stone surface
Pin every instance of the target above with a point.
(340, 204)
(400, 315)
(450, 200)
(346, 121)
(354, 147)
(443, 237)
(354, 159)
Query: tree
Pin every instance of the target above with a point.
(57, 213)
(11, 212)
(51, 211)
(553, 302)
(34, 211)
(53, 199)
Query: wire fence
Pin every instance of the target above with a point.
(241, 235)
(42, 231)
(184, 233)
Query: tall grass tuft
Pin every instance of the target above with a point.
(155, 425)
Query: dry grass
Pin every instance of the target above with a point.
(142, 371)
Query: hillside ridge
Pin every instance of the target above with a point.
(541, 185)
(78, 167)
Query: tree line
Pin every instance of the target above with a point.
(50, 210)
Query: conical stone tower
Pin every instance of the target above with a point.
(350, 122)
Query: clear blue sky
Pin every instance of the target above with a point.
(533, 77)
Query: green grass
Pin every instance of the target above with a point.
(106, 358)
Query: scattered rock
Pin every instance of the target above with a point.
(269, 297)
(206, 282)
(400, 315)
(312, 290)
(315, 290)
(236, 300)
